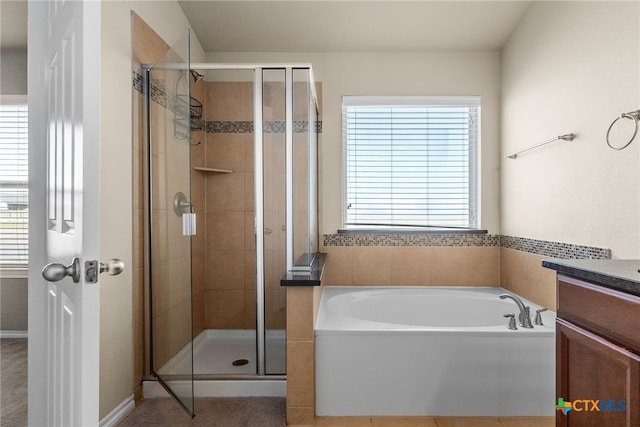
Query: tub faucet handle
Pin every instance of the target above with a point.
(512, 321)
(538, 319)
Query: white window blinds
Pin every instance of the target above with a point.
(14, 205)
(410, 161)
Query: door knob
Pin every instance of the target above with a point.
(113, 267)
(55, 271)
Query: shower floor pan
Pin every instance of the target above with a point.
(214, 354)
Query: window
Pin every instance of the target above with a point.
(14, 204)
(410, 161)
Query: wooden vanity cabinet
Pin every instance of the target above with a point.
(597, 355)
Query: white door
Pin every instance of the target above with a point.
(64, 55)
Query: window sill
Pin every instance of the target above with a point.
(411, 231)
(7, 272)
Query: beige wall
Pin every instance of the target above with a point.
(13, 304)
(391, 73)
(572, 67)
(13, 291)
(13, 73)
(116, 293)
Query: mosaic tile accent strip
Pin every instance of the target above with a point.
(159, 96)
(274, 126)
(411, 239)
(271, 126)
(538, 247)
(554, 249)
(137, 81)
(228, 127)
(197, 124)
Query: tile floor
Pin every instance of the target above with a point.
(270, 412)
(434, 422)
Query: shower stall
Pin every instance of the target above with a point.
(231, 207)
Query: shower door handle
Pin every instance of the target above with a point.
(188, 224)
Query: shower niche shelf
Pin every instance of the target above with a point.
(212, 170)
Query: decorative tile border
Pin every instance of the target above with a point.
(271, 126)
(410, 239)
(538, 247)
(137, 81)
(228, 127)
(554, 249)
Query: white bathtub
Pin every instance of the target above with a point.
(439, 351)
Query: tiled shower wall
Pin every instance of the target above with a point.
(228, 207)
(227, 143)
(223, 250)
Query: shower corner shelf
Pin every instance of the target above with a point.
(212, 170)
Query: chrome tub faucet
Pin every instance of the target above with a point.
(525, 316)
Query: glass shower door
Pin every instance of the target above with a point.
(172, 222)
(275, 219)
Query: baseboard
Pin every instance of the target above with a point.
(14, 334)
(119, 413)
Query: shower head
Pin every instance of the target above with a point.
(196, 75)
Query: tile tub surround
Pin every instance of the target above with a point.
(302, 305)
(413, 259)
(540, 247)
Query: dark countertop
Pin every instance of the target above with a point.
(313, 278)
(618, 274)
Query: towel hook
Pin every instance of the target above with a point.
(632, 115)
